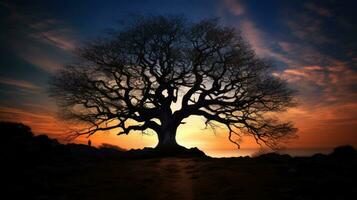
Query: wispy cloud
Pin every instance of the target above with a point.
(308, 24)
(337, 82)
(320, 10)
(40, 122)
(303, 53)
(235, 7)
(44, 29)
(19, 83)
(38, 38)
(58, 38)
(293, 53)
(39, 57)
(308, 28)
(258, 40)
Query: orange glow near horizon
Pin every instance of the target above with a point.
(314, 132)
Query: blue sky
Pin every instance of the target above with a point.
(312, 44)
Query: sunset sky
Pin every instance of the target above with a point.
(312, 43)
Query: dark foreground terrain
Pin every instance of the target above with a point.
(37, 167)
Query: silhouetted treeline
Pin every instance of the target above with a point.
(25, 148)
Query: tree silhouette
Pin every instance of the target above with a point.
(130, 80)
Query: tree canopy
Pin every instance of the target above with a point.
(129, 80)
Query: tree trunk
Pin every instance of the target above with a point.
(167, 139)
(167, 132)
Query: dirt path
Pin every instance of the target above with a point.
(177, 182)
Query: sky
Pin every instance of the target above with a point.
(311, 43)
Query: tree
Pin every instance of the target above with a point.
(129, 80)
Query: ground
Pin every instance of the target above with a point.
(194, 178)
(37, 167)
